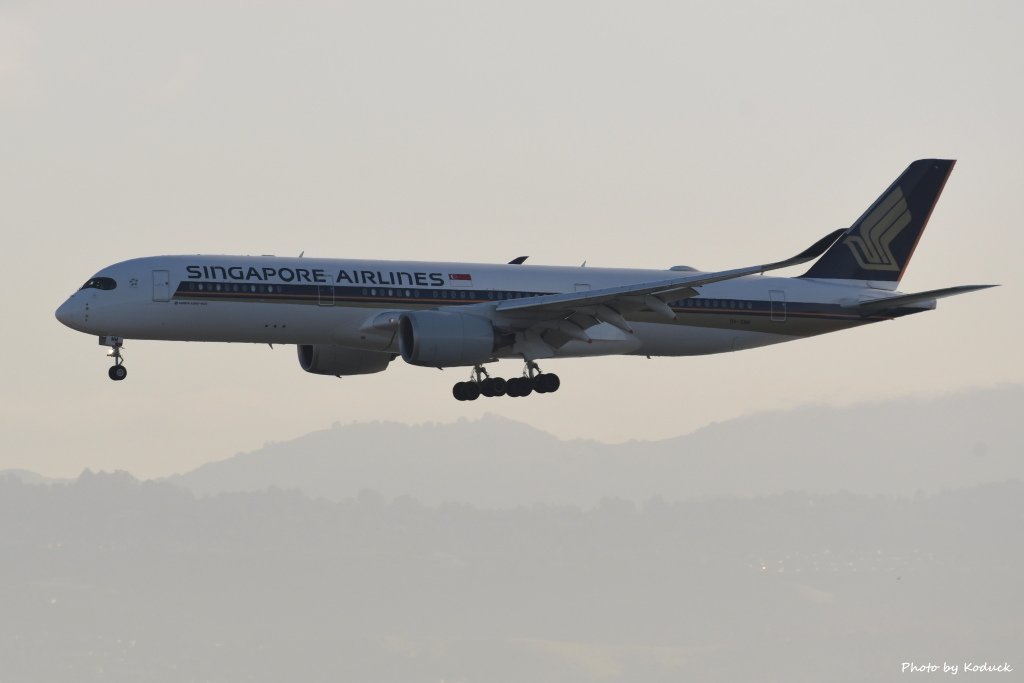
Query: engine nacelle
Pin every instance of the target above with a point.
(329, 359)
(439, 339)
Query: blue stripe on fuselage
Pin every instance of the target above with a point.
(335, 294)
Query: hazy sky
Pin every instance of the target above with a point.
(627, 134)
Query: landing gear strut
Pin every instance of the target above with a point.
(482, 384)
(117, 371)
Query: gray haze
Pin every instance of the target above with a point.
(835, 545)
(114, 580)
(651, 134)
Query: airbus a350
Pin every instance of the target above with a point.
(354, 316)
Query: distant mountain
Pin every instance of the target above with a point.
(27, 477)
(901, 447)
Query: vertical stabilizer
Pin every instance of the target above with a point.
(878, 246)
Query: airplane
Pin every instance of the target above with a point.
(353, 317)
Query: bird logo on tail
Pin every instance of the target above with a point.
(877, 231)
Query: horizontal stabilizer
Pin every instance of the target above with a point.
(893, 302)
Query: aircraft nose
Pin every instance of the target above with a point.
(69, 313)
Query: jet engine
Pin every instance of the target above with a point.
(329, 359)
(439, 339)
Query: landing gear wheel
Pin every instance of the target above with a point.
(117, 372)
(525, 387)
(492, 386)
(519, 387)
(546, 383)
(466, 391)
(470, 391)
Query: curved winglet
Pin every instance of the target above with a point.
(821, 246)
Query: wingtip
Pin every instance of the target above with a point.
(822, 245)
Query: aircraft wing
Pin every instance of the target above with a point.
(547, 322)
(649, 294)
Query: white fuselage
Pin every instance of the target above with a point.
(347, 302)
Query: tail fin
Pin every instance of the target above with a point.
(880, 243)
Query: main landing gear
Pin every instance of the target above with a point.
(482, 384)
(117, 371)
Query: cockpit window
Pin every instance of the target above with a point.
(100, 283)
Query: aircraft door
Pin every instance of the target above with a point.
(778, 298)
(161, 285)
(325, 295)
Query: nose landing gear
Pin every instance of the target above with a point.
(117, 371)
(482, 384)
